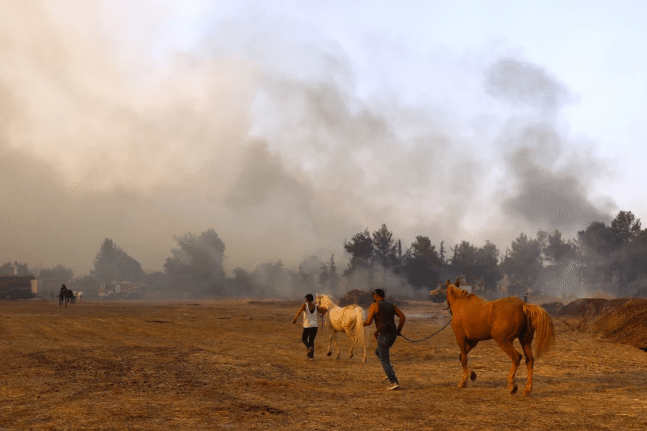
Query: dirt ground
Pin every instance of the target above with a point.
(240, 364)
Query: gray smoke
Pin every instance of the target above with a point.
(525, 83)
(256, 135)
(551, 178)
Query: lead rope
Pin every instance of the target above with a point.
(426, 338)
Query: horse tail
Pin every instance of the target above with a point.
(542, 324)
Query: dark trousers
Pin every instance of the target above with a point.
(308, 337)
(384, 343)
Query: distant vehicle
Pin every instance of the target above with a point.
(438, 295)
(121, 290)
(17, 287)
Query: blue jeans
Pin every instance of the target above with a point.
(384, 343)
(308, 336)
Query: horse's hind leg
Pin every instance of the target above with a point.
(515, 357)
(350, 334)
(329, 352)
(526, 345)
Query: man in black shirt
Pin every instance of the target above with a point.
(62, 295)
(384, 314)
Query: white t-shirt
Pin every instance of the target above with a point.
(310, 318)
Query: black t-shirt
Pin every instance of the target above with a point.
(385, 318)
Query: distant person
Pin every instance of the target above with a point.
(384, 314)
(310, 324)
(525, 297)
(62, 295)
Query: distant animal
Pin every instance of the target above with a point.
(349, 319)
(69, 296)
(503, 320)
(79, 296)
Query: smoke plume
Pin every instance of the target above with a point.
(261, 137)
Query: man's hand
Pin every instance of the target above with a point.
(294, 322)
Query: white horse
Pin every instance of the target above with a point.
(349, 319)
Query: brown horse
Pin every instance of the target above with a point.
(503, 320)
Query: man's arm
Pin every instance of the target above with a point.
(401, 317)
(371, 314)
(303, 307)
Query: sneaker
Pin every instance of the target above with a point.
(311, 352)
(385, 379)
(394, 387)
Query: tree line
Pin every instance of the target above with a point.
(602, 257)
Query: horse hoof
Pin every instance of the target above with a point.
(462, 384)
(472, 376)
(514, 390)
(328, 354)
(350, 356)
(526, 391)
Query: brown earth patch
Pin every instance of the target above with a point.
(234, 364)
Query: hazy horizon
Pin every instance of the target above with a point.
(285, 135)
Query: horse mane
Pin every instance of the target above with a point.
(457, 292)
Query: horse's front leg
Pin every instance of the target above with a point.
(333, 339)
(465, 346)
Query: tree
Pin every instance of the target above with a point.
(522, 264)
(243, 284)
(486, 265)
(360, 247)
(384, 248)
(308, 270)
(624, 228)
(58, 272)
(328, 278)
(556, 250)
(421, 263)
(464, 261)
(114, 264)
(197, 265)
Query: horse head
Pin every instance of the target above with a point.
(324, 301)
(453, 292)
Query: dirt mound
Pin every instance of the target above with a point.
(633, 332)
(356, 296)
(590, 307)
(626, 323)
(553, 308)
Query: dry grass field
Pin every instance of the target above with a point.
(240, 364)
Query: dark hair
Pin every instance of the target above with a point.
(379, 292)
(309, 297)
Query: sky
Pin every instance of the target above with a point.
(287, 127)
